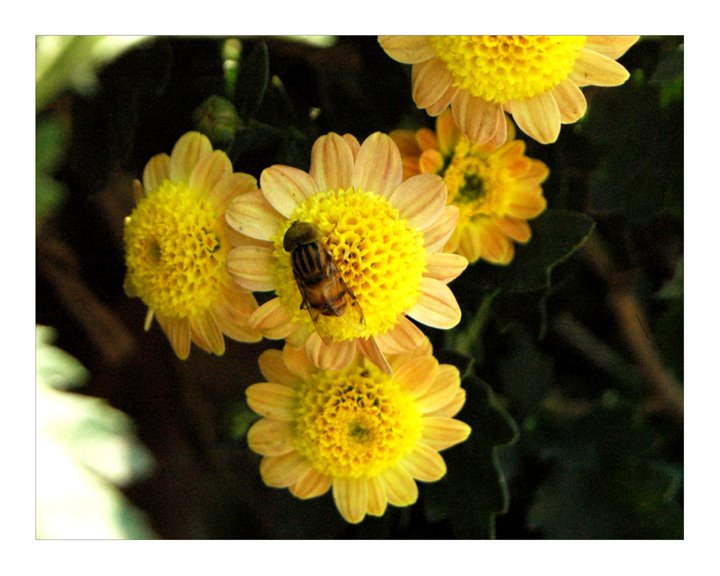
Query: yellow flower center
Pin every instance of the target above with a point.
(378, 256)
(175, 251)
(503, 68)
(355, 422)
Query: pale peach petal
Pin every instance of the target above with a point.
(377, 499)
(440, 432)
(417, 376)
(272, 400)
(229, 186)
(400, 486)
(187, 152)
(353, 143)
(283, 471)
(538, 117)
(452, 408)
(378, 166)
(273, 320)
(252, 267)
(431, 162)
(272, 366)
(443, 102)
(420, 200)
(331, 163)
(448, 133)
(441, 392)
(444, 266)
(437, 235)
(351, 498)
(251, 215)
(515, 228)
(436, 306)
(481, 121)
(571, 101)
(271, 437)
(232, 312)
(404, 337)
(370, 349)
(430, 80)
(592, 68)
(311, 485)
(407, 49)
(424, 463)
(611, 46)
(177, 331)
(206, 333)
(297, 362)
(285, 188)
(138, 192)
(157, 170)
(209, 171)
(330, 355)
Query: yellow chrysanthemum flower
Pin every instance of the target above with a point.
(375, 257)
(495, 189)
(176, 247)
(537, 79)
(366, 434)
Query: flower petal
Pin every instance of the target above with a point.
(285, 188)
(400, 486)
(206, 333)
(272, 366)
(330, 355)
(571, 101)
(610, 46)
(406, 142)
(311, 485)
(252, 267)
(252, 215)
(424, 463)
(283, 471)
(430, 162)
(177, 331)
(526, 204)
(417, 375)
(515, 228)
(407, 49)
(209, 171)
(538, 117)
(480, 120)
(271, 437)
(232, 313)
(377, 498)
(351, 498)
(378, 166)
(453, 407)
(353, 143)
(436, 306)
(229, 186)
(443, 102)
(437, 235)
(273, 320)
(441, 432)
(441, 392)
(272, 400)
(370, 349)
(592, 68)
(430, 80)
(187, 152)
(420, 199)
(297, 362)
(403, 338)
(331, 163)
(448, 133)
(444, 266)
(157, 170)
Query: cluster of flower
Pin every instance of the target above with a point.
(367, 239)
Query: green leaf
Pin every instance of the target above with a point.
(252, 81)
(474, 491)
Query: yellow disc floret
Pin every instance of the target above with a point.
(355, 422)
(378, 255)
(175, 251)
(503, 68)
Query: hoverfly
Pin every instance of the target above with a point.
(321, 284)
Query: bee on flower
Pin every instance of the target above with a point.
(351, 251)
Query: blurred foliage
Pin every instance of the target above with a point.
(577, 423)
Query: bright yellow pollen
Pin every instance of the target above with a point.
(379, 256)
(175, 251)
(503, 68)
(355, 422)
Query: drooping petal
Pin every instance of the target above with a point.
(378, 166)
(610, 46)
(251, 215)
(285, 187)
(420, 200)
(417, 375)
(436, 306)
(571, 101)
(370, 349)
(177, 331)
(538, 117)
(331, 163)
(272, 400)
(209, 171)
(400, 486)
(272, 366)
(592, 68)
(424, 463)
(480, 120)
(252, 267)
(206, 333)
(444, 266)
(273, 320)
(407, 49)
(437, 235)
(430, 80)
(187, 152)
(377, 498)
(403, 338)
(271, 437)
(156, 171)
(330, 355)
(283, 471)
(441, 392)
(440, 432)
(351, 498)
(229, 186)
(311, 485)
(443, 102)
